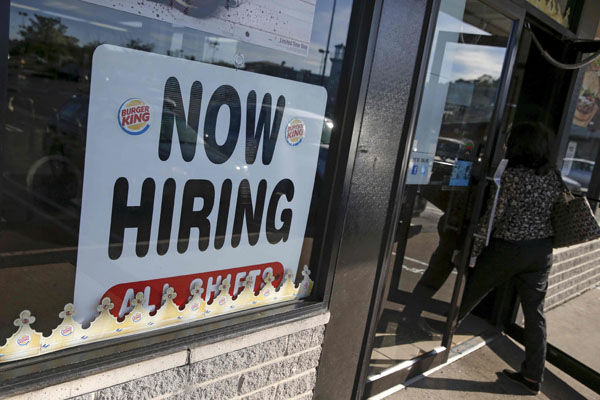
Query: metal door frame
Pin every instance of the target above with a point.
(439, 355)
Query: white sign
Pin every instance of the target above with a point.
(193, 173)
(281, 25)
(498, 182)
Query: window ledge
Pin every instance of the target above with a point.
(76, 374)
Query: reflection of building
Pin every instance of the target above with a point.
(468, 103)
(330, 82)
(472, 97)
(283, 71)
(485, 78)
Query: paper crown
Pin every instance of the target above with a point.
(553, 10)
(27, 342)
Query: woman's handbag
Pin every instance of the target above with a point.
(573, 220)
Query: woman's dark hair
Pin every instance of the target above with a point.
(529, 146)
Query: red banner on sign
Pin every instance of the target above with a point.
(123, 293)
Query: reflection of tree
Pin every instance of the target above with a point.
(45, 48)
(139, 45)
(88, 49)
(46, 38)
(45, 45)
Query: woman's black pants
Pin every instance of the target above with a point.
(528, 262)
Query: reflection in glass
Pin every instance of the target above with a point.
(43, 137)
(581, 152)
(573, 282)
(456, 108)
(580, 155)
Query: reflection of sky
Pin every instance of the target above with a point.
(92, 23)
(465, 61)
(469, 61)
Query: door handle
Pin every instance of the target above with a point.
(496, 179)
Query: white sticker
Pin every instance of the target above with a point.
(189, 177)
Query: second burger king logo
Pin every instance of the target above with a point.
(134, 116)
(294, 133)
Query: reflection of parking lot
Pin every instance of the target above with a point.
(418, 250)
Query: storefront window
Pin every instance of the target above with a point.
(579, 157)
(559, 10)
(163, 157)
(573, 281)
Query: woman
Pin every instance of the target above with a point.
(521, 242)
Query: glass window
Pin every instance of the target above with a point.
(573, 280)
(580, 154)
(561, 11)
(162, 157)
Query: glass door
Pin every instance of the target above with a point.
(450, 156)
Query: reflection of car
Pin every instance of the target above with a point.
(55, 179)
(448, 148)
(578, 169)
(452, 155)
(447, 152)
(66, 131)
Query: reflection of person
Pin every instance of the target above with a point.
(521, 242)
(439, 268)
(451, 237)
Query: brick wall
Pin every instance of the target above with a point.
(575, 269)
(277, 363)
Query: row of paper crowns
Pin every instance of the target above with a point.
(27, 342)
(553, 10)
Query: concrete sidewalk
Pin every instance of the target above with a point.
(574, 327)
(478, 376)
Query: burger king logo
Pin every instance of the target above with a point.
(222, 301)
(195, 306)
(134, 116)
(267, 292)
(137, 317)
(294, 133)
(23, 340)
(67, 330)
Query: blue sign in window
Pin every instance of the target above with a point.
(461, 173)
